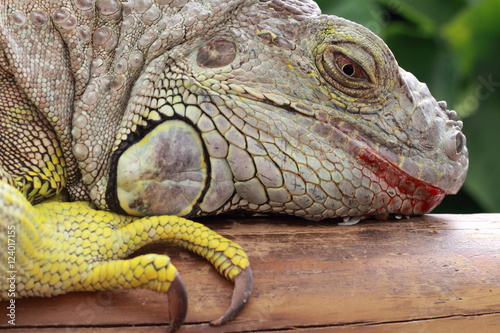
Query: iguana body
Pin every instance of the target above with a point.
(189, 108)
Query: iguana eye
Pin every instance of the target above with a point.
(349, 67)
(344, 70)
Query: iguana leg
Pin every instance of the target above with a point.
(79, 248)
(62, 247)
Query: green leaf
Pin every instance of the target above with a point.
(429, 15)
(483, 137)
(404, 17)
(364, 12)
(474, 33)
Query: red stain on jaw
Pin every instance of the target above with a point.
(422, 196)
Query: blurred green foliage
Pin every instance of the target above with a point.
(454, 47)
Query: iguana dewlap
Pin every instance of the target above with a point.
(165, 108)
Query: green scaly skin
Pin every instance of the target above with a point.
(150, 110)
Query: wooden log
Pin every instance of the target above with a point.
(435, 273)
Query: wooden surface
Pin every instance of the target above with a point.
(437, 273)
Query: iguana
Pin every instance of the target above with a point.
(137, 114)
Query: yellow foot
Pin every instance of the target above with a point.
(63, 247)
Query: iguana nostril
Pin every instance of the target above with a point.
(455, 145)
(460, 142)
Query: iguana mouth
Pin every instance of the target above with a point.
(416, 196)
(424, 196)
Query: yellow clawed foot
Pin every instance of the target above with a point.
(63, 247)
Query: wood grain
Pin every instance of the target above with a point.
(435, 273)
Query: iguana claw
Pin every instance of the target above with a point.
(177, 303)
(243, 284)
(351, 220)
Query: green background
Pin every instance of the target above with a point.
(454, 47)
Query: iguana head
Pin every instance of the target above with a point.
(279, 109)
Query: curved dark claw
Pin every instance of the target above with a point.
(243, 285)
(177, 303)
